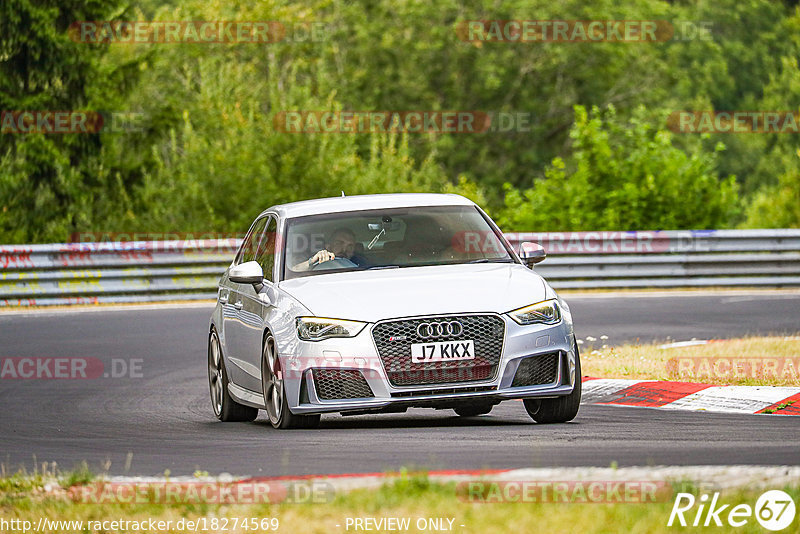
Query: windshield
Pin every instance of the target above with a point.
(389, 239)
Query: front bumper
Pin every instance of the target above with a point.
(360, 354)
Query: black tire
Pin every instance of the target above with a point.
(274, 392)
(225, 408)
(473, 410)
(561, 409)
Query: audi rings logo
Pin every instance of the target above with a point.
(443, 329)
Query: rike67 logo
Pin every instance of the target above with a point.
(774, 510)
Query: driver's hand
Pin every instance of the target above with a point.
(320, 257)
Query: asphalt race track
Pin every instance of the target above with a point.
(163, 420)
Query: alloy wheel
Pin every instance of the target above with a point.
(215, 373)
(272, 381)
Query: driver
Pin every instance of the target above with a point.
(342, 245)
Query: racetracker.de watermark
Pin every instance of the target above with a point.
(564, 491)
(408, 121)
(68, 368)
(341, 372)
(197, 31)
(83, 244)
(734, 122)
(565, 31)
(70, 122)
(203, 492)
(733, 367)
(616, 242)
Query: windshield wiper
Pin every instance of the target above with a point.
(487, 260)
(375, 267)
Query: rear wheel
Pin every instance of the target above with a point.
(272, 385)
(225, 408)
(561, 409)
(472, 411)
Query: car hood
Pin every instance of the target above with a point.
(411, 291)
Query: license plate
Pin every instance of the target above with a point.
(442, 351)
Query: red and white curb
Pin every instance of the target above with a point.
(692, 396)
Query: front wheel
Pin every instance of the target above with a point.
(561, 409)
(272, 385)
(225, 408)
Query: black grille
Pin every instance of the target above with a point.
(486, 331)
(340, 384)
(443, 391)
(537, 370)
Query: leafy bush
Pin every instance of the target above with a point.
(623, 175)
(776, 206)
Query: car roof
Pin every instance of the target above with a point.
(367, 202)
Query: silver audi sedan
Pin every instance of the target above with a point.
(379, 303)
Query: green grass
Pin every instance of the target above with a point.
(80, 475)
(779, 407)
(411, 496)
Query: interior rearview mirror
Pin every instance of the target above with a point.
(391, 226)
(531, 253)
(249, 272)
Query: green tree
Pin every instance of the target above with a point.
(777, 206)
(623, 175)
(210, 157)
(45, 187)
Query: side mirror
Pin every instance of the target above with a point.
(531, 253)
(249, 272)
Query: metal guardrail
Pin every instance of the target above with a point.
(683, 258)
(150, 271)
(108, 272)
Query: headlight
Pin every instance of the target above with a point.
(319, 328)
(545, 312)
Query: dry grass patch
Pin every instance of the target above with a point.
(750, 361)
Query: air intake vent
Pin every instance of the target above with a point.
(340, 384)
(537, 370)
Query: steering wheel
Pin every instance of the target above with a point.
(336, 263)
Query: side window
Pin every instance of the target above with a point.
(266, 250)
(248, 250)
